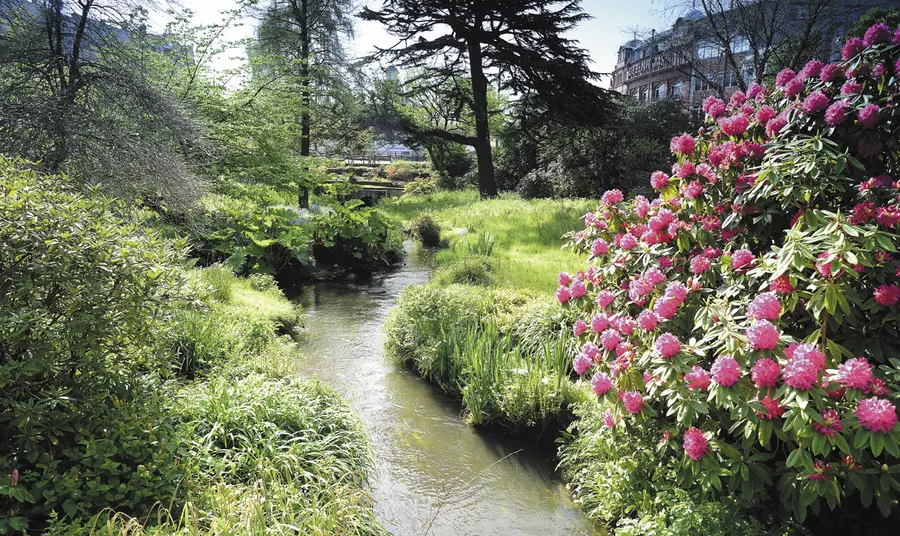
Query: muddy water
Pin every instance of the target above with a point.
(434, 473)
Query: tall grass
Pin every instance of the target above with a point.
(526, 236)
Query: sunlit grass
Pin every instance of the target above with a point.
(527, 234)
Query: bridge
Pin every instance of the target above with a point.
(371, 191)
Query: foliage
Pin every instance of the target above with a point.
(420, 186)
(403, 171)
(82, 303)
(355, 237)
(473, 269)
(544, 157)
(748, 319)
(426, 230)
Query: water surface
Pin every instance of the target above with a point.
(434, 473)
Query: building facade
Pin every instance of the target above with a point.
(680, 64)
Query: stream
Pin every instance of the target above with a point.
(434, 474)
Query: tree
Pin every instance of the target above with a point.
(519, 41)
(752, 38)
(303, 40)
(79, 93)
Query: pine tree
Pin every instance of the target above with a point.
(520, 42)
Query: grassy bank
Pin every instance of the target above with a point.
(526, 236)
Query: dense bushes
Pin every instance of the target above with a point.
(426, 230)
(464, 339)
(80, 309)
(96, 431)
(749, 313)
(543, 158)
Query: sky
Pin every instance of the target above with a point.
(612, 24)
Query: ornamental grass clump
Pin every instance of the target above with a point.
(764, 283)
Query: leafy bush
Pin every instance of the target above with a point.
(426, 229)
(756, 279)
(81, 291)
(420, 186)
(468, 270)
(403, 171)
(543, 157)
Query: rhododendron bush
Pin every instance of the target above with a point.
(751, 310)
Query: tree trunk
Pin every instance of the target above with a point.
(486, 183)
(305, 93)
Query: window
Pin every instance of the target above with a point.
(677, 90)
(740, 44)
(645, 94)
(702, 83)
(707, 50)
(660, 92)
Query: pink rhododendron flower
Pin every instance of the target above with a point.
(887, 216)
(578, 289)
(774, 409)
(774, 126)
(811, 69)
(604, 298)
(742, 258)
(628, 242)
(815, 101)
(726, 371)
(713, 107)
(601, 383)
(887, 294)
(876, 387)
(667, 345)
(852, 47)
(686, 170)
(801, 373)
(753, 90)
(878, 71)
(783, 77)
(766, 306)
(591, 351)
(831, 72)
(647, 320)
(599, 247)
(599, 322)
(765, 372)
(869, 116)
(608, 419)
(810, 352)
(695, 444)
(633, 401)
(625, 324)
(793, 88)
(851, 87)
(610, 338)
(699, 264)
(763, 335)
(855, 373)
(693, 190)
(782, 285)
(734, 125)
(564, 279)
(765, 114)
(611, 197)
(582, 363)
(824, 264)
(837, 113)
(659, 180)
(877, 33)
(677, 291)
(683, 144)
(580, 327)
(697, 379)
(563, 294)
(831, 426)
(876, 415)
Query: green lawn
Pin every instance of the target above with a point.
(527, 234)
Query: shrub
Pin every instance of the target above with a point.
(403, 171)
(420, 186)
(468, 270)
(537, 183)
(81, 291)
(756, 279)
(425, 229)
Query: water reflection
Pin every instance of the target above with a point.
(434, 474)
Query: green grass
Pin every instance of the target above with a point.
(262, 451)
(526, 236)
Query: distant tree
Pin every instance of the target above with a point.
(520, 42)
(79, 92)
(302, 41)
(891, 17)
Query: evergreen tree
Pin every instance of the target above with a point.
(520, 42)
